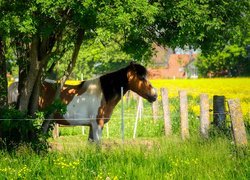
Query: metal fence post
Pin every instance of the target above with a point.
(122, 115)
(219, 114)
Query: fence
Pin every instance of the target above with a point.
(235, 112)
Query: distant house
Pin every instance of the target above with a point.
(170, 64)
(191, 70)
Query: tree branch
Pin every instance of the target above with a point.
(71, 65)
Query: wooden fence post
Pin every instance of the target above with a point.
(107, 129)
(166, 112)
(184, 114)
(83, 130)
(155, 107)
(128, 97)
(239, 132)
(204, 115)
(56, 131)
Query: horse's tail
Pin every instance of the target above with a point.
(13, 93)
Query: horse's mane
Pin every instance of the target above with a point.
(139, 69)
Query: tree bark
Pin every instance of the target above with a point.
(44, 54)
(33, 103)
(28, 84)
(30, 76)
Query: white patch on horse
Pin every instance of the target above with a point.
(153, 91)
(83, 109)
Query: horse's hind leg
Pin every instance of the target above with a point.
(91, 136)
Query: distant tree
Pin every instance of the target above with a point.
(232, 57)
(205, 24)
(231, 61)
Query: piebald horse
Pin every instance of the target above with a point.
(91, 103)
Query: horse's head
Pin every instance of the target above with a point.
(137, 82)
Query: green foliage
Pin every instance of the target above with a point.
(57, 106)
(231, 59)
(118, 31)
(229, 54)
(209, 25)
(18, 129)
(97, 56)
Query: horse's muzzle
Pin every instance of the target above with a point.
(152, 98)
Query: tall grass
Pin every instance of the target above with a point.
(157, 158)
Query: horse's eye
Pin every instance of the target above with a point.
(142, 77)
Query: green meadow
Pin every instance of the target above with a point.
(151, 158)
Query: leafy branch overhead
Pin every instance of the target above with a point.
(38, 35)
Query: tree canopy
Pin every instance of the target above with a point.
(40, 35)
(232, 57)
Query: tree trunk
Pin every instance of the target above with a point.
(34, 98)
(28, 84)
(3, 77)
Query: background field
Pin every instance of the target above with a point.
(150, 155)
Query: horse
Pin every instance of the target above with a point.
(92, 102)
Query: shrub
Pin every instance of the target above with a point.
(17, 128)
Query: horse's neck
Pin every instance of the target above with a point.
(112, 84)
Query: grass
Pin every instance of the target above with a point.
(150, 155)
(151, 158)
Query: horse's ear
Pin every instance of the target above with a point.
(132, 65)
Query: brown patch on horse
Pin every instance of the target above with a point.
(67, 95)
(47, 94)
(105, 111)
(69, 92)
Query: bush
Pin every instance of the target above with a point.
(16, 128)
